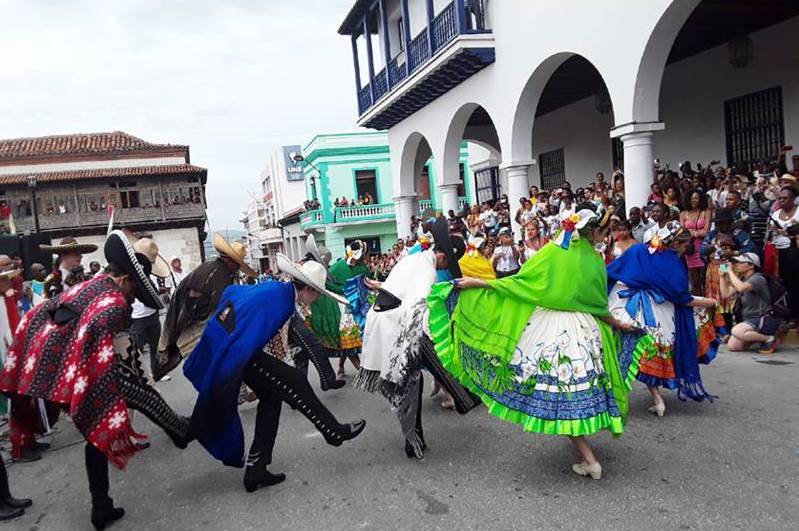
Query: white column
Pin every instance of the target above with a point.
(518, 187)
(449, 197)
(405, 206)
(638, 168)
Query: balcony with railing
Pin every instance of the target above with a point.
(377, 212)
(311, 219)
(457, 23)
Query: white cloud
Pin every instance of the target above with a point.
(232, 79)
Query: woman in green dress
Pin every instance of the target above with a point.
(539, 347)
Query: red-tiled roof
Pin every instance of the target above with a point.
(78, 144)
(102, 173)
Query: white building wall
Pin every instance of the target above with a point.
(183, 243)
(288, 195)
(583, 133)
(694, 91)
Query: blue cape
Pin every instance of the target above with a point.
(217, 363)
(664, 273)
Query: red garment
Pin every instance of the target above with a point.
(71, 364)
(13, 313)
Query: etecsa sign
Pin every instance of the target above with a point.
(294, 169)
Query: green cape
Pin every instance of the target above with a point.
(492, 321)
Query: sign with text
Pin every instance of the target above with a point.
(294, 169)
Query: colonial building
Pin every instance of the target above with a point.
(560, 90)
(63, 185)
(342, 170)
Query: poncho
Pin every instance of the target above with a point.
(253, 316)
(71, 364)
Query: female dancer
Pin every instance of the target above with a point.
(697, 221)
(538, 348)
(649, 290)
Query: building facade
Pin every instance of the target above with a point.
(552, 98)
(70, 185)
(351, 166)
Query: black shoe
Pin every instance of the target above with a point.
(142, 445)
(182, 440)
(7, 512)
(352, 430)
(256, 477)
(17, 503)
(337, 384)
(102, 518)
(28, 456)
(41, 446)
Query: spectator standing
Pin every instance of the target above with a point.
(660, 217)
(760, 201)
(506, 255)
(784, 234)
(488, 219)
(533, 241)
(697, 221)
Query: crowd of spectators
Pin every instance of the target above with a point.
(731, 215)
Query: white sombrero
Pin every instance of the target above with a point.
(312, 274)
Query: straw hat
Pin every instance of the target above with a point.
(235, 251)
(312, 274)
(69, 245)
(148, 248)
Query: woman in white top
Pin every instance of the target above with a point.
(533, 241)
(784, 234)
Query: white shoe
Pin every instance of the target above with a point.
(584, 469)
(658, 409)
(165, 378)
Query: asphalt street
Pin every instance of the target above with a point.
(731, 464)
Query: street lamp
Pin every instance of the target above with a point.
(299, 158)
(32, 183)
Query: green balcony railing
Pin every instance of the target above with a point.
(375, 212)
(312, 218)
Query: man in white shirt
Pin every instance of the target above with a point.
(660, 216)
(177, 274)
(489, 219)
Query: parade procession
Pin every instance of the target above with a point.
(545, 277)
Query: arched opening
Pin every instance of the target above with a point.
(726, 90)
(469, 170)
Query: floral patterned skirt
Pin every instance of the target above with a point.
(560, 385)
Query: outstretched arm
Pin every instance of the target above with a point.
(469, 282)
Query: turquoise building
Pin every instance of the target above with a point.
(353, 165)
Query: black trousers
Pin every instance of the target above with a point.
(274, 382)
(5, 491)
(143, 398)
(147, 332)
(306, 347)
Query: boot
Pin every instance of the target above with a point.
(104, 516)
(256, 475)
(7, 512)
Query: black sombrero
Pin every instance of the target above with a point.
(119, 250)
(452, 246)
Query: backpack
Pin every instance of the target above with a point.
(779, 298)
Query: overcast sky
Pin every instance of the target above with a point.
(232, 79)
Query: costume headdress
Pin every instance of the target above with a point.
(452, 246)
(354, 252)
(475, 242)
(659, 239)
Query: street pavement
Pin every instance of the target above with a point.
(731, 464)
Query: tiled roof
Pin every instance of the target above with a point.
(78, 144)
(102, 173)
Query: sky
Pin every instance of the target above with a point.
(233, 79)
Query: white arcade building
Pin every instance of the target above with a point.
(565, 89)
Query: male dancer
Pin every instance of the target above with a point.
(231, 351)
(70, 351)
(397, 335)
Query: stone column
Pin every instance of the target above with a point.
(405, 206)
(638, 168)
(518, 187)
(449, 197)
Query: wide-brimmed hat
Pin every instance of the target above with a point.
(69, 245)
(119, 250)
(320, 253)
(10, 274)
(149, 248)
(452, 246)
(236, 251)
(312, 274)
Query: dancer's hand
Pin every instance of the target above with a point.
(469, 282)
(627, 328)
(372, 284)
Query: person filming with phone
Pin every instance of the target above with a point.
(758, 325)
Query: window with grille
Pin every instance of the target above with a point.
(552, 167)
(487, 184)
(618, 154)
(755, 129)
